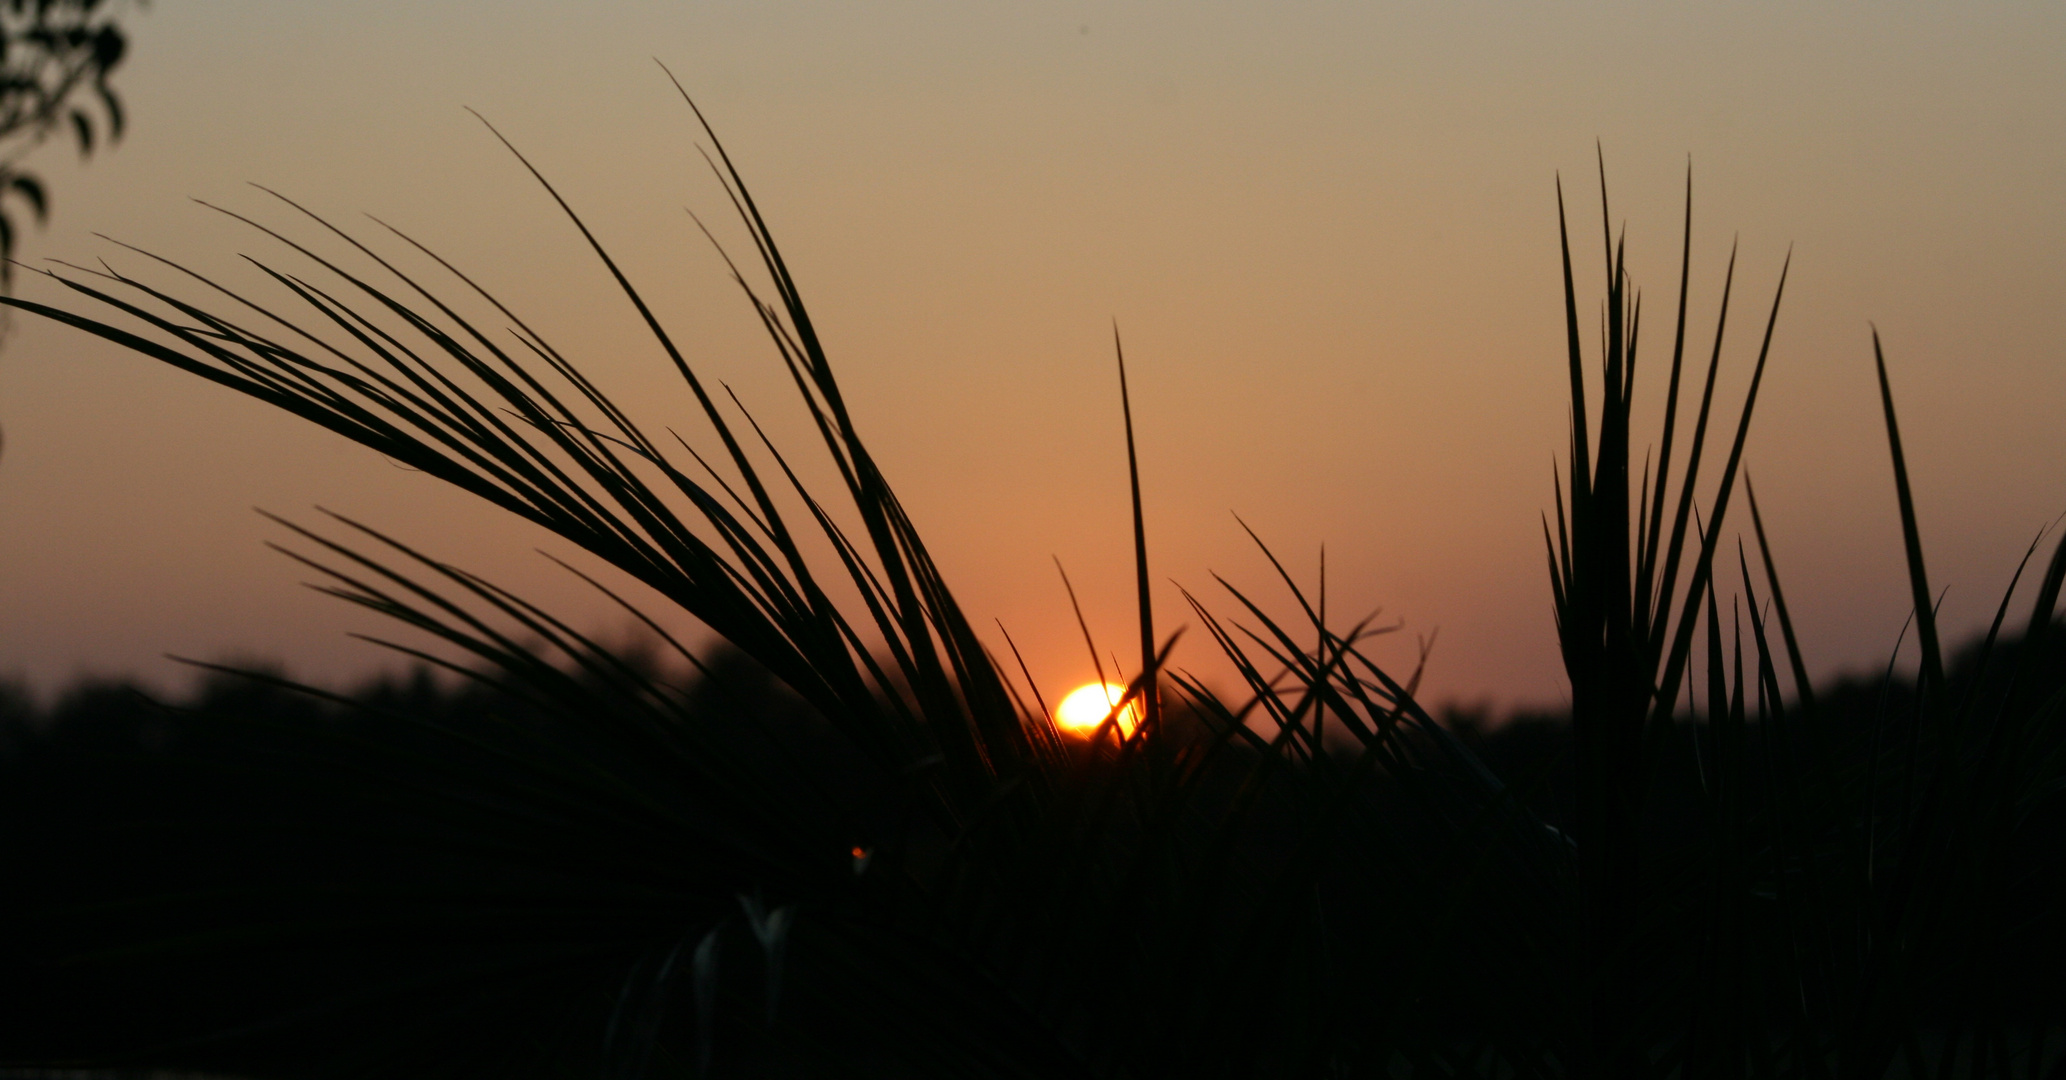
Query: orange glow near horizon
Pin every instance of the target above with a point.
(1328, 232)
(1087, 706)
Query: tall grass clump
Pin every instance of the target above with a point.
(1821, 925)
(913, 871)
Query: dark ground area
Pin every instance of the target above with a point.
(176, 869)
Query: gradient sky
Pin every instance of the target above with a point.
(1326, 230)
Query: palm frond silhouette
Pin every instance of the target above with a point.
(910, 870)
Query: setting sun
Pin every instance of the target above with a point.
(1087, 706)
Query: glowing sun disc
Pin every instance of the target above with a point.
(1087, 706)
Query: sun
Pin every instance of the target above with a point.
(1087, 706)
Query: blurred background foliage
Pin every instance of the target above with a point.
(56, 57)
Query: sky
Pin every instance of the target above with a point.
(1326, 232)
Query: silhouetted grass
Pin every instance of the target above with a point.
(898, 865)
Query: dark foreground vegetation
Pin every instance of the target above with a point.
(258, 881)
(897, 865)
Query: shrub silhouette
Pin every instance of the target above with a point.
(882, 857)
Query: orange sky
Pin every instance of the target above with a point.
(1327, 232)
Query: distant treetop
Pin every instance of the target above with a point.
(55, 59)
